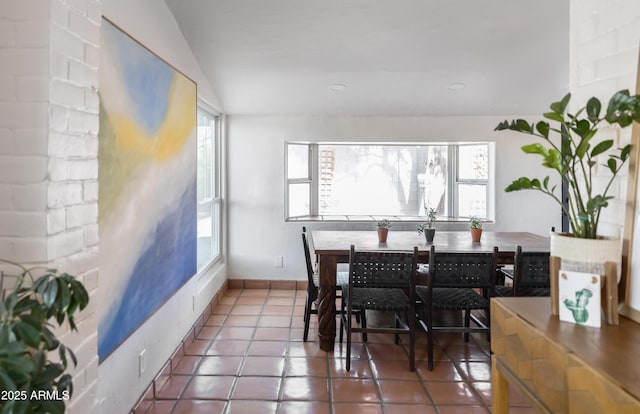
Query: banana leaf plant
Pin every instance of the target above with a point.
(576, 153)
(31, 381)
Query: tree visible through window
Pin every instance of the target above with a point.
(331, 179)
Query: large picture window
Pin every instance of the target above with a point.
(365, 179)
(208, 191)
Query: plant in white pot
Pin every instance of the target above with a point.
(573, 154)
(427, 228)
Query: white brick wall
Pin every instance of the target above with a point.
(48, 154)
(604, 45)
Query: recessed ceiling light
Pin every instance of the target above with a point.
(456, 86)
(337, 87)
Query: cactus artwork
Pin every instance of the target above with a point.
(578, 307)
(579, 295)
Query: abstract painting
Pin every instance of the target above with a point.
(147, 185)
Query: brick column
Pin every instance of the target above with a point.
(48, 155)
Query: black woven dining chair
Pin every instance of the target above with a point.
(530, 275)
(313, 281)
(453, 283)
(380, 281)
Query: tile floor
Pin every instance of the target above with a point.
(249, 358)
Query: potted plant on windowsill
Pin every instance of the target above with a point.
(27, 309)
(475, 226)
(573, 155)
(383, 230)
(427, 228)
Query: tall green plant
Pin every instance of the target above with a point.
(33, 383)
(575, 155)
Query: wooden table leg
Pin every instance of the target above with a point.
(499, 390)
(327, 303)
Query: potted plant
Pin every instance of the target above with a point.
(427, 228)
(573, 155)
(26, 311)
(475, 225)
(383, 230)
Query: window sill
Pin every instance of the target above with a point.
(371, 219)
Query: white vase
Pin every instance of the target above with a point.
(586, 255)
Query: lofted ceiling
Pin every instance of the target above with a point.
(401, 57)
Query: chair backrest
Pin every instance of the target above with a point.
(457, 269)
(383, 269)
(530, 270)
(307, 257)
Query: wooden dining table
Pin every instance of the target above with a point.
(332, 247)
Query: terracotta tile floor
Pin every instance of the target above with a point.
(250, 358)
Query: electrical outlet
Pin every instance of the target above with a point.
(142, 362)
(278, 261)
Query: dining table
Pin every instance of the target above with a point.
(332, 247)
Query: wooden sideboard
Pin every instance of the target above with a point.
(562, 367)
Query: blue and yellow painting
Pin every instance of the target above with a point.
(147, 181)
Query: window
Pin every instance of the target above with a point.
(336, 179)
(208, 190)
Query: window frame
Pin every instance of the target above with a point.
(456, 181)
(452, 179)
(215, 200)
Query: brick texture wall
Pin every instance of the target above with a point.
(604, 45)
(48, 154)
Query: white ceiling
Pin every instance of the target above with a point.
(279, 57)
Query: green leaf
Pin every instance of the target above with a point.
(554, 160)
(535, 149)
(617, 102)
(582, 149)
(27, 333)
(602, 147)
(64, 294)
(553, 116)
(581, 128)
(523, 126)
(522, 183)
(559, 107)
(80, 293)
(50, 372)
(597, 202)
(50, 292)
(502, 126)
(613, 165)
(624, 153)
(543, 128)
(593, 109)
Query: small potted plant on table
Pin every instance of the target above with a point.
(476, 229)
(383, 230)
(427, 228)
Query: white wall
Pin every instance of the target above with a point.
(119, 382)
(605, 41)
(258, 232)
